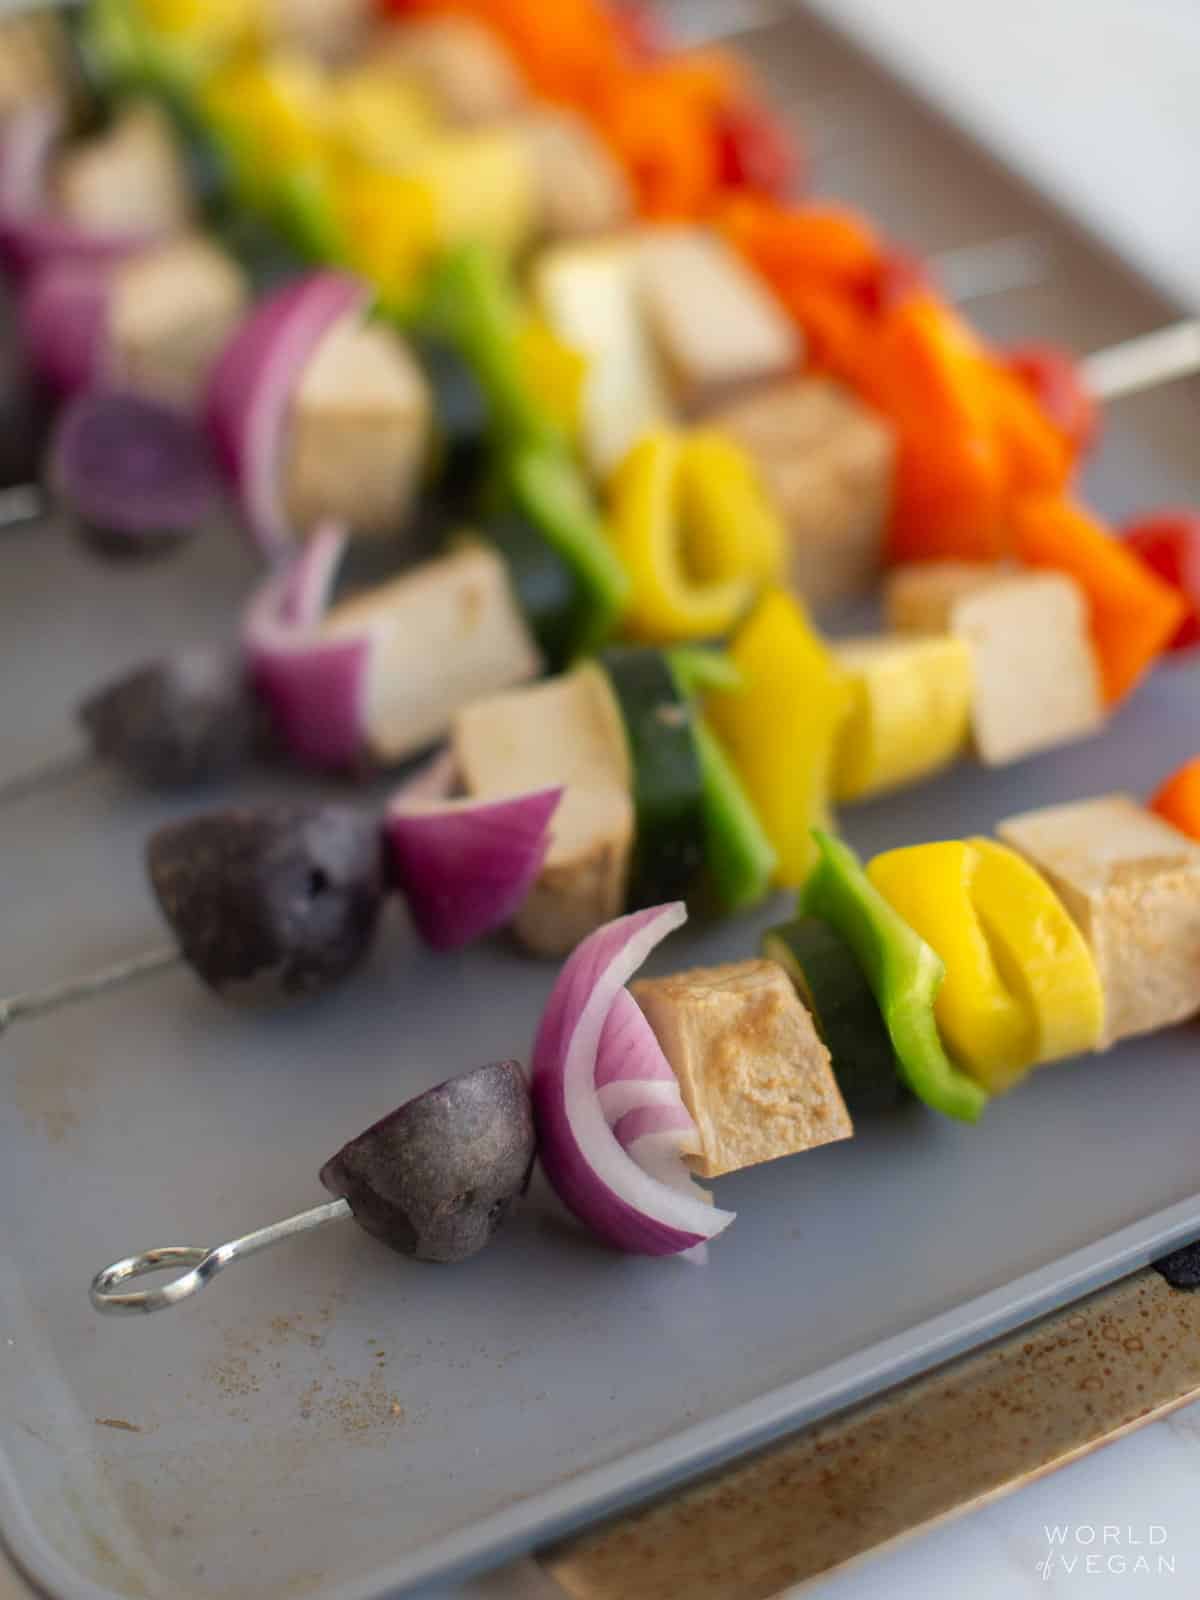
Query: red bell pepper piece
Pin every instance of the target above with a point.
(1169, 543)
(757, 152)
(1056, 382)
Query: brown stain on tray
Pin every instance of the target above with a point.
(118, 1423)
(951, 1440)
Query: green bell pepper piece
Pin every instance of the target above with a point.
(546, 486)
(741, 858)
(469, 300)
(903, 971)
(699, 668)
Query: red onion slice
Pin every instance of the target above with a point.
(31, 235)
(27, 143)
(63, 314)
(314, 688)
(251, 388)
(466, 866)
(631, 1188)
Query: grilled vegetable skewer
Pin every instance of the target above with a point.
(953, 968)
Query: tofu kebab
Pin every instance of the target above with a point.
(982, 442)
(945, 972)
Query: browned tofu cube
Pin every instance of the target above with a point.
(329, 30)
(920, 596)
(1037, 682)
(752, 1070)
(461, 65)
(716, 327)
(129, 179)
(581, 188)
(30, 49)
(360, 430)
(567, 730)
(1132, 884)
(445, 633)
(170, 311)
(588, 292)
(827, 462)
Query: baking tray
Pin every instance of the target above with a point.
(330, 1421)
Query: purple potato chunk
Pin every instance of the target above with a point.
(175, 722)
(136, 477)
(274, 903)
(436, 1178)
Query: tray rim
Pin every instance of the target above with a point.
(704, 1446)
(970, 1325)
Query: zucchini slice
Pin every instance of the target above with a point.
(548, 590)
(668, 783)
(463, 421)
(834, 987)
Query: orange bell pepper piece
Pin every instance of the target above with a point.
(1178, 801)
(839, 334)
(1133, 614)
(665, 139)
(1038, 456)
(927, 376)
(787, 243)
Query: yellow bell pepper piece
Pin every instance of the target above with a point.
(554, 372)
(1041, 951)
(733, 530)
(212, 24)
(389, 228)
(689, 521)
(378, 121)
(1021, 986)
(272, 114)
(910, 711)
(667, 603)
(483, 185)
(781, 726)
(987, 1027)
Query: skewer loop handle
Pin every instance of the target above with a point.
(203, 1262)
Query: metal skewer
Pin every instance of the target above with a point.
(21, 504)
(1163, 356)
(38, 1002)
(203, 1262)
(47, 774)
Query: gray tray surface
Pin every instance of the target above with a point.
(331, 1421)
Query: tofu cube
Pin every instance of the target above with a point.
(29, 60)
(331, 31)
(716, 327)
(752, 1070)
(1132, 884)
(481, 186)
(1037, 681)
(581, 188)
(588, 293)
(827, 463)
(170, 311)
(360, 430)
(566, 730)
(446, 633)
(130, 179)
(461, 65)
(920, 596)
